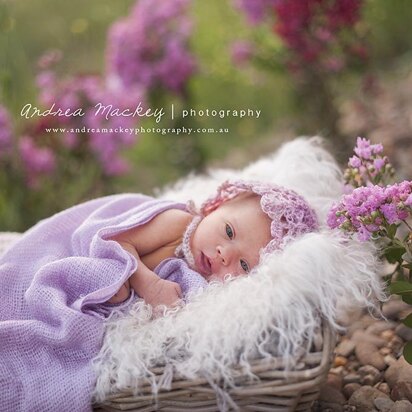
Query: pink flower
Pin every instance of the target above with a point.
(369, 167)
(37, 160)
(313, 31)
(390, 212)
(354, 161)
(241, 51)
(334, 64)
(150, 48)
(367, 210)
(255, 9)
(5, 132)
(363, 148)
(379, 163)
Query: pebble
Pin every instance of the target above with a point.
(359, 325)
(404, 332)
(393, 308)
(402, 391)
(383, 387)
(337, 371)
(387, 334)
(402, 406)
(366, 369)
(383, 404)
(351, 378)
(367, 354)
(330, 399)
(363, 398)
(350, 388)
(349, 408)
(340, 361)
(380, 326)
(389, 359)
(398, 372)
(345, 348)
(384, 351)
(335, 381)
(396, 345)
(329, 394)
(369, 375)
(362, 337)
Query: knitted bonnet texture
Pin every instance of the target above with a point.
(290, 213)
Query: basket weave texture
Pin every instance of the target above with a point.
(277, 390)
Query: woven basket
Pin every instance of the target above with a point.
(276, 391)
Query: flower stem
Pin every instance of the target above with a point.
(407, 224)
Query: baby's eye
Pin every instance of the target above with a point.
(244, 266)
(229, 231)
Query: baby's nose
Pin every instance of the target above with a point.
(224, 254)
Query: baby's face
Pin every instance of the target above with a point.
(229, 239)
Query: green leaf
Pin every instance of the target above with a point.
(407, 352)
(407, 299)
(400, 287)
(392, 230)
(394, 254)
(408, 321)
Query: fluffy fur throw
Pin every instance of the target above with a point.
(275, 310)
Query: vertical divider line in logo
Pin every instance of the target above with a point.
(173, 111)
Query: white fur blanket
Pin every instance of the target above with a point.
(275, 310)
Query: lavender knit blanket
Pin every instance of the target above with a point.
(53, 285)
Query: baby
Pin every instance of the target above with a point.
(230, 234)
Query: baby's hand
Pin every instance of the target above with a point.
(122, 294)
(163, 292)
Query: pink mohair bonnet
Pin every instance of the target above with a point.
(290, 214)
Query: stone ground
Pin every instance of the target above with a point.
(369, 373)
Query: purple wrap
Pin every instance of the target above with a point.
(51, 284)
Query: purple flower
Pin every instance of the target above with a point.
(380, 163)
(5, 132)
(398, 192)
(150, 47)
(354, 161)
(103, 134)
(390, 212)
(363, 148)
(255, 9)
(334, 64)
(116, 167)
(364, 234)
(408, 201)
(368, 210)
(368, 167)
(37, 161)
(241, 51)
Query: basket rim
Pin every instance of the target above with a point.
(288, 380)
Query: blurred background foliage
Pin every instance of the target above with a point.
(237, 64)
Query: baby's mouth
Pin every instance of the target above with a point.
(205, 263)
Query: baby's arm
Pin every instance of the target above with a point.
(164, 229)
